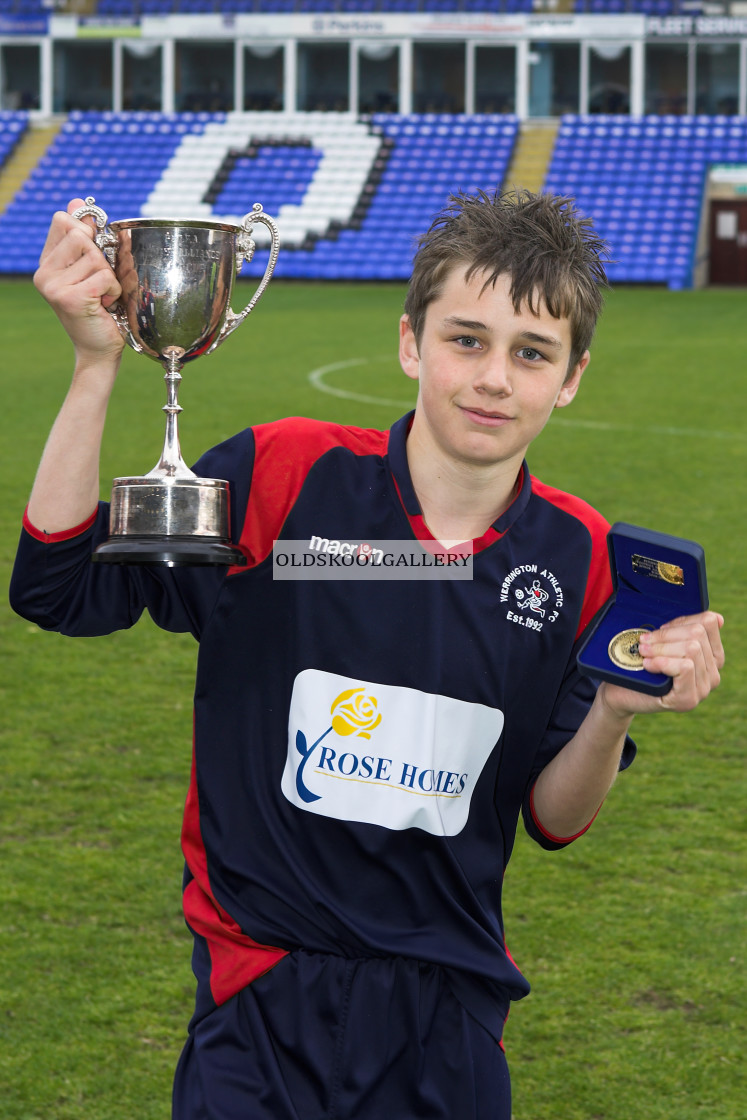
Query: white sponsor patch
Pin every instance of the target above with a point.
(386, 755)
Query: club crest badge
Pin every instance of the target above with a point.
(533, 596)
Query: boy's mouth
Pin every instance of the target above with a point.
(484, 416)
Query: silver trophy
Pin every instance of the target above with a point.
(176, 276)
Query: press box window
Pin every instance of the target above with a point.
(264, 68)
(82, 76)
(378, 77)
(666, 79)
(717, 79)
(21, 82)
(495, 79)
(609, 77)
(438, 77)
(554, 79)
(204, 77)
(142, 70)
(323, 77)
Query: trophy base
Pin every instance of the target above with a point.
(171, 521)
(170, 551)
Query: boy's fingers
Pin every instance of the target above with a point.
(690, 651)
(704, 628)
(68, 262)
(87, 220)
(77, 273)
(58, 230)
(62, 225)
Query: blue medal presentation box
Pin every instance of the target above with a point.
(656, 577)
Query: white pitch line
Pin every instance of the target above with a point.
(690, 433)
(316, 378)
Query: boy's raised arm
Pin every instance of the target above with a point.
(76, 280)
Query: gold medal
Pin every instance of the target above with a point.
(623, 649)
(658, 569)
(671, 573)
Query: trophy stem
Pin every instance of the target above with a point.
(171, 464)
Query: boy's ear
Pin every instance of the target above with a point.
(571, 383)
(409, 358)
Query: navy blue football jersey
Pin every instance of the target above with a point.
(362, 749)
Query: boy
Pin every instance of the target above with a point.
(363, 749)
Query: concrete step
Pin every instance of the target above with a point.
(532, 154)
(26, 155)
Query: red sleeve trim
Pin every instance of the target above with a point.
(549, 835)
(63, 535)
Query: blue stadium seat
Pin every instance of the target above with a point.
(12, 127)
(121, 8)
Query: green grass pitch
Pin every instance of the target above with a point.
(633, 938)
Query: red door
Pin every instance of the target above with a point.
(728, 242)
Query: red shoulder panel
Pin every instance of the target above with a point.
(285, 452)
(599, 582)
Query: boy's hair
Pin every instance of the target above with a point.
(552, 254)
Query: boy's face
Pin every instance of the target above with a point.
(488, 377)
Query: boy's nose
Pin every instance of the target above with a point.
(494, 375)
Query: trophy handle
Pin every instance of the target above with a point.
(245, 251)
(106, 240)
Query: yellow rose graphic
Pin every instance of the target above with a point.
(354, 713)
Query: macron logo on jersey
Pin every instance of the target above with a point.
(385, 755)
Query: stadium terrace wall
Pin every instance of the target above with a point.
(460, 61)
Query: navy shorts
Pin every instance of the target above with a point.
(326, 1038)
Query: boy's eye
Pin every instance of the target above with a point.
(468, 341)
(529, 354)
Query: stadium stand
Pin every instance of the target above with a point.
(196, 7)
(323, 157)
(129, 9)
(349, 195)
(643, 181)
(24, 7)
(12, 127)
(642, 7)
(126, 8)
(429, 157)
(116, 158)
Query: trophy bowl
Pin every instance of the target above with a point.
(177, 278)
